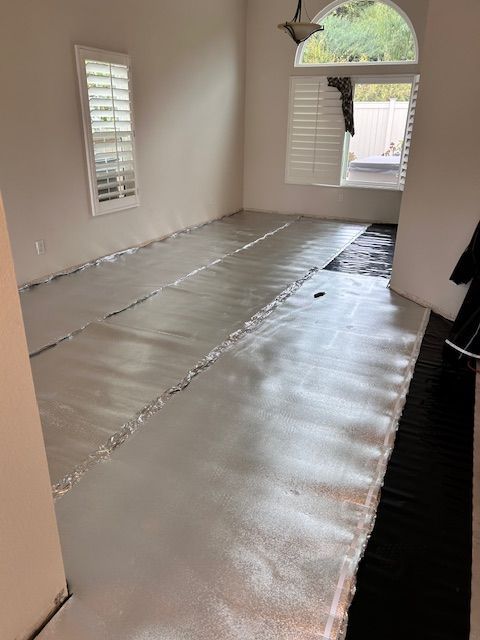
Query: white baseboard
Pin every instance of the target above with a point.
(321, 216)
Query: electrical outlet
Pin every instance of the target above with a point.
(340, 196)
(40, 247)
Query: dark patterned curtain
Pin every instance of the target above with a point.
(345, 86)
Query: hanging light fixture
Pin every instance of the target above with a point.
(298, 30)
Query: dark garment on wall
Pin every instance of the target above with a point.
(465, 334)
(345, 86)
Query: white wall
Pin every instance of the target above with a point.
(441, 204)
(270, 60)
(32, 580)
(188, 83)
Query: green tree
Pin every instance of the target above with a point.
(382, 92)
(361, 31)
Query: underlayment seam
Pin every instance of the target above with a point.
(366, 526)
(111, 257)
(153, 293)
(153, 407)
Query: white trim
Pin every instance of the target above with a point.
(383, 186)
(110, 206)
(401, 78)
(407, 141)
(421, 301)
(322, 216)
(333, 5)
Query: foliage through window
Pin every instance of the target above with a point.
(360, 31)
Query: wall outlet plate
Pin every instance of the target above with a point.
(40, 247)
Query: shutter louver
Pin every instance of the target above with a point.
(316, 132)
(107, 111)
(408, 132)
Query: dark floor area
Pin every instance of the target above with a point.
(414, 581)
(371, 254)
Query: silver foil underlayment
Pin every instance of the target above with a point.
(242, 508)
(91, 387)
(63, 306)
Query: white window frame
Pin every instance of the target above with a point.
(99, 55)
(397, 79)
(328, 9)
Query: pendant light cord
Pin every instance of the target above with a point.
(298, 15)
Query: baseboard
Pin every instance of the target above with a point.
(61, 599)
(78, 267)
(423, 303)
(321, 216)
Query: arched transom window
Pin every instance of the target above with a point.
(360, 32)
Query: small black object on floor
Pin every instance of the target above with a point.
(414, 581)
(371, 254)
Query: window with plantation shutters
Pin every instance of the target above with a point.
(105, 90)
(319, 152)
(316, 132)
(409, 131)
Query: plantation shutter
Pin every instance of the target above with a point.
(316, 132)
(408, 132)
(109, 129)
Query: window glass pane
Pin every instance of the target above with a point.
(375, 151)
(361, 31)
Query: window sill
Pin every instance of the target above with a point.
(347, 185)
(367, 185)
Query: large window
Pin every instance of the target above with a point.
(360, 32)
(105, 92)
(319, 152)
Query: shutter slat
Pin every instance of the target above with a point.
(106, 92)
(116, 194)
(113, 169)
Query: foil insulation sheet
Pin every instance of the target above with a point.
(419, 556)
(90, 387)
(60, 307)
(242, 508)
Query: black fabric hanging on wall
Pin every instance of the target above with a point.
(465, 334)
(345, 86)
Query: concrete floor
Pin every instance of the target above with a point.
(242, 500)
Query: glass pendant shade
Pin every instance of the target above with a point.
(298, 30)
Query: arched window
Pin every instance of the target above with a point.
(360, 32)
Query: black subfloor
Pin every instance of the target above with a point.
(415, 578)
(371, 254)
